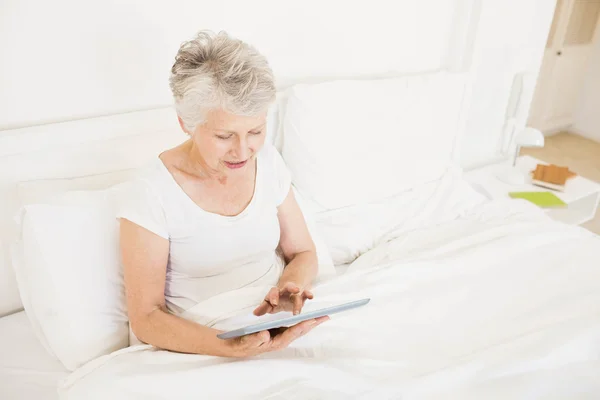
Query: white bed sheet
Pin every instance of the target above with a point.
(501, 303)
(342, 269)
(27, 371)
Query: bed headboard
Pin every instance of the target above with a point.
(93, 131)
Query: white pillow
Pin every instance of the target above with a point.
(354, 142)
(361, 152)
(69, 275)
(42, 190)
(351, 231)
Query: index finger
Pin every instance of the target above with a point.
(273, 296)
(269, 303)
(264, 308)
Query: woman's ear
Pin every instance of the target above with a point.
(182, 126)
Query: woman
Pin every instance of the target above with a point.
(214, 213)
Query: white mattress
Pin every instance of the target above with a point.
(27, 371)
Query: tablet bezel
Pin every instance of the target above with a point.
(288, 321)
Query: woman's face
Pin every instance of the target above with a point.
(227, 143)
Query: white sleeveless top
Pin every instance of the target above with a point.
(211, 253)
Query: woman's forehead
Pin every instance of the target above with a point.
(219, 119)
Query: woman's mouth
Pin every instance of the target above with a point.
(235, 165)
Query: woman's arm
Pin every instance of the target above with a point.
(145, 256)
(300, 254)
(296, 244)
(145, 261)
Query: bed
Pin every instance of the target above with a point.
(470, 298)
(553, 354)
(27, 370)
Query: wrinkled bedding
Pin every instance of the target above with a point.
(500, 302)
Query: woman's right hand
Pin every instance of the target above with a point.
(264, 342)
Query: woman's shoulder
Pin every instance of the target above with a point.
(141, 200)
(146, 184)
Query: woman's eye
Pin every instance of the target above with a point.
(256, 133)
(224, 137)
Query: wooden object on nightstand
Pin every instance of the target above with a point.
(551, 176)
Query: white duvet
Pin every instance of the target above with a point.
(499, 303)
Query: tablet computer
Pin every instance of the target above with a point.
(278, 323)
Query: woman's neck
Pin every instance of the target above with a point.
(195, 165)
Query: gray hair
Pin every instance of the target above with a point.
(218, 71)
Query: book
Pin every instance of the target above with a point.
(541, 199)
(551, 176)
(548, 185)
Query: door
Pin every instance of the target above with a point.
(568, 49)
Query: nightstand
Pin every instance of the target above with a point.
(581, 195)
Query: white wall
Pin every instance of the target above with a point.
(587, 114)
(510, 40)
(69, 59)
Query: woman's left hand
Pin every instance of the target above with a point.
(286, 297)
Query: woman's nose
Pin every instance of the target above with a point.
(241, 149)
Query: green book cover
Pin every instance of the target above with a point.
(542, 199)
